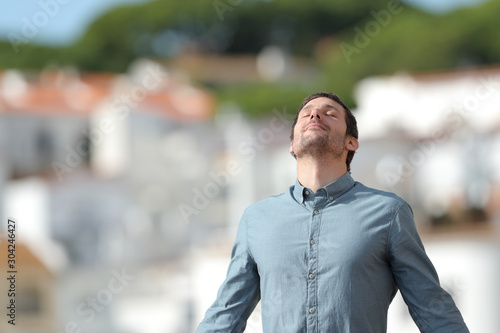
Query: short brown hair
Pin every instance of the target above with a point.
(350, 120)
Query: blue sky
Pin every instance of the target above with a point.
(67, 23)
(70, 20)
(443, 6)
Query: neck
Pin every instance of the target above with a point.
(315, 174)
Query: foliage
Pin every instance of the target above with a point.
(260, 99)
(412, 41)
(415, 41)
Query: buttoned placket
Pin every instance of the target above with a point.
(315, 203)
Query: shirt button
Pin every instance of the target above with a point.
(311, 276)
(307, 192)
(330, 198)
(316, 212)
(312, 242)
(311, 310)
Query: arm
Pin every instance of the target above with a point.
(430, 306)
(238, 295)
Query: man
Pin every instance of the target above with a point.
(329, 254)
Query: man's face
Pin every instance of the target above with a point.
(320, 129)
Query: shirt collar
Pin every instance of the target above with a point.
(334, 190)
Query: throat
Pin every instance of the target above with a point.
(315, 174)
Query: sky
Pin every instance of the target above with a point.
(67, 19)
(61, 22)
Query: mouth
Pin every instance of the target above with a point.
(315, 125)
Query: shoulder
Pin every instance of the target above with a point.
(270, 204)
(388, 206)
(378, 197)
(267, 203)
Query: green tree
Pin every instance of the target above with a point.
(328, 33)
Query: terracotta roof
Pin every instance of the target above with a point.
(61, 93)
(25, 258)
(180, 105)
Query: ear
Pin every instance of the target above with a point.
(291, 148)
(351, 143)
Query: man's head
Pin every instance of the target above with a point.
(324, 124)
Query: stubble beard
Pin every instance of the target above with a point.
(321, 146)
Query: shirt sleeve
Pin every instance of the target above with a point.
(431, 307)
(239, 293)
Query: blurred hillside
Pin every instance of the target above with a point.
(342, 41)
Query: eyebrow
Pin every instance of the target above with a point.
(331, 106)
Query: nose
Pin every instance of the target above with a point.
(315, 114)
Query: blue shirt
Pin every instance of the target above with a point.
(330, 262)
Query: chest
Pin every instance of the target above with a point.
(331, 237)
